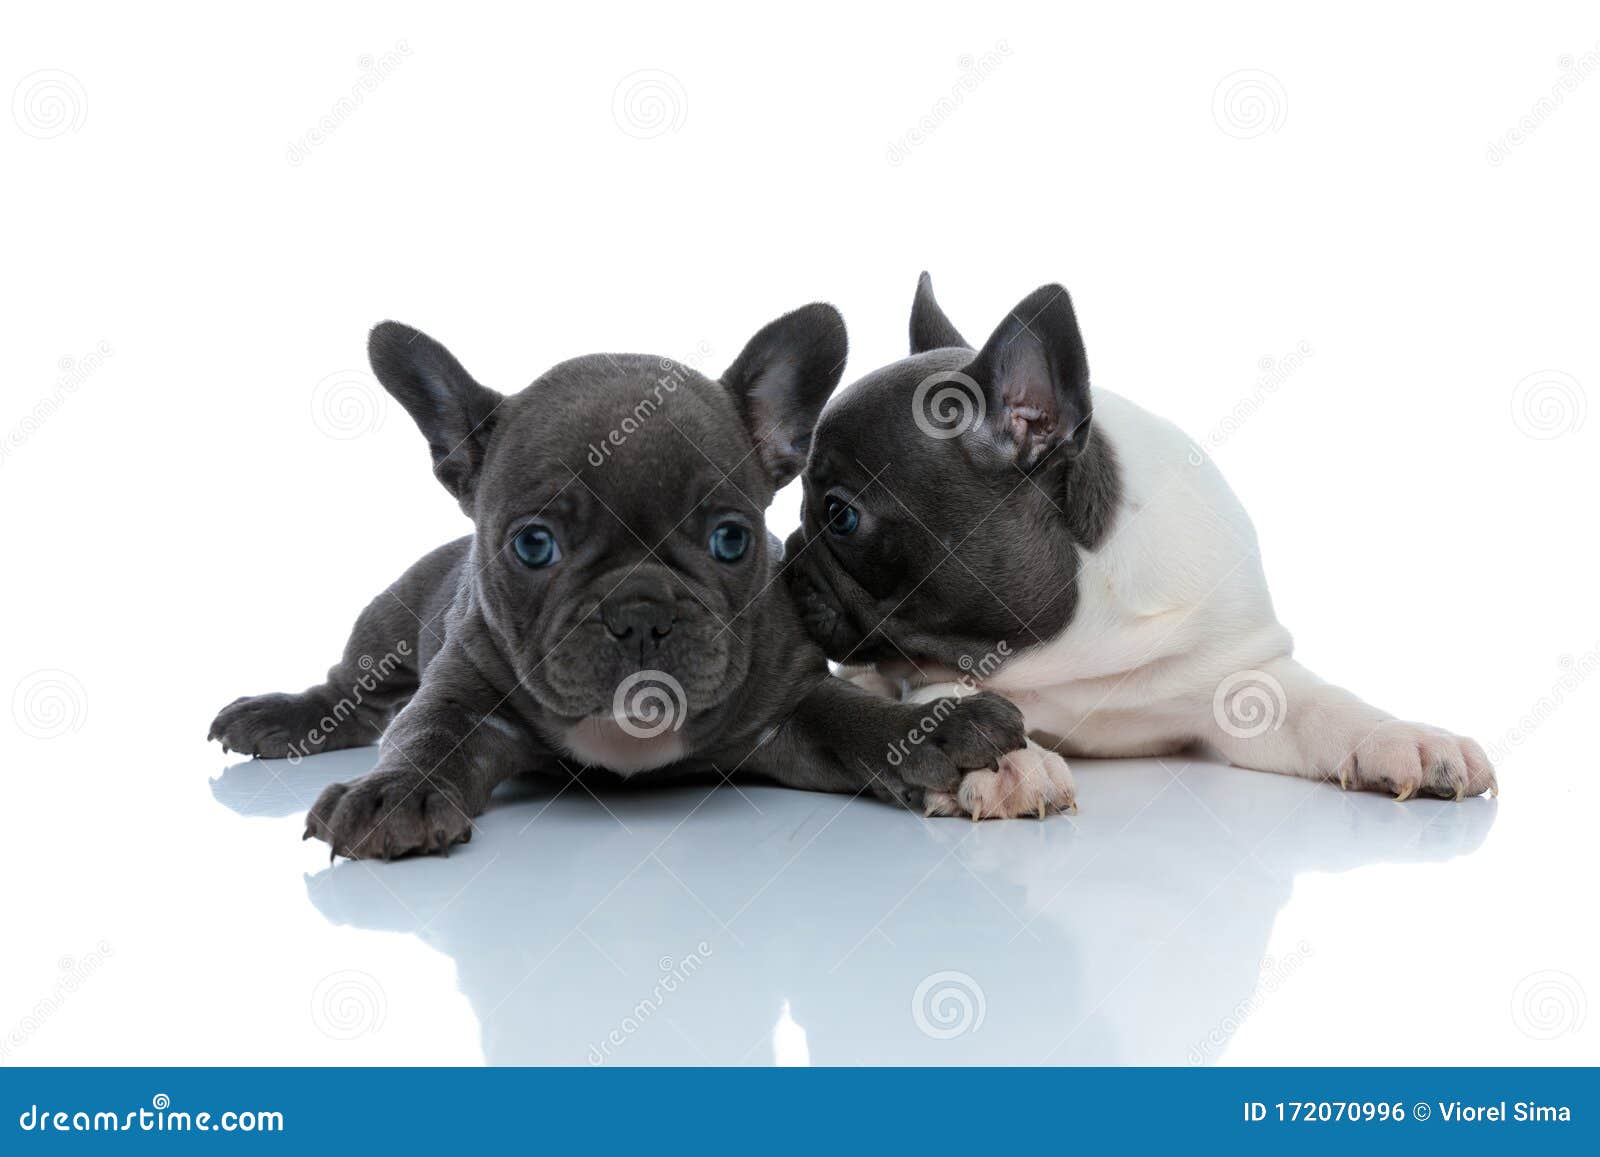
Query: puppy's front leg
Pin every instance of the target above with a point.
(441, 759)
(842, 738)
(1281, 717)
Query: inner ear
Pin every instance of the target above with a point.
(1036, 380)
(1029, 404)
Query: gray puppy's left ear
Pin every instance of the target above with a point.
(455, 414)
(1035, 378)
(781, 379)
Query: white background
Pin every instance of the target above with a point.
(202, 509)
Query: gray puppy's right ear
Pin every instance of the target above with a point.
(781, 379)
(455, 414)
(930, 328)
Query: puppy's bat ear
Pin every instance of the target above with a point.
(930, 328)
(1035, 378)
(781, 380)
(455, 414)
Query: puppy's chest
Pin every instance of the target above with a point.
(601, 741)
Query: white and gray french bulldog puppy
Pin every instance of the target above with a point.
(617, 606)
(980, 519)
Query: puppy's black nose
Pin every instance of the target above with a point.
(646, 620)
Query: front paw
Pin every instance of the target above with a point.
(388, 814)
(1410, 759)
(1034, 781)
(978, 730)
(282, 725)
(949, 737)
(268, 726)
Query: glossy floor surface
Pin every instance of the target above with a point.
(1190, 914)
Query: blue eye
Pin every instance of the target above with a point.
(729, 542)
(536, 546)
(840, 516)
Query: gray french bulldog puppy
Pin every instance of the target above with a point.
(616, 608)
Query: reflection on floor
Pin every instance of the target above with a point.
(758, 925)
